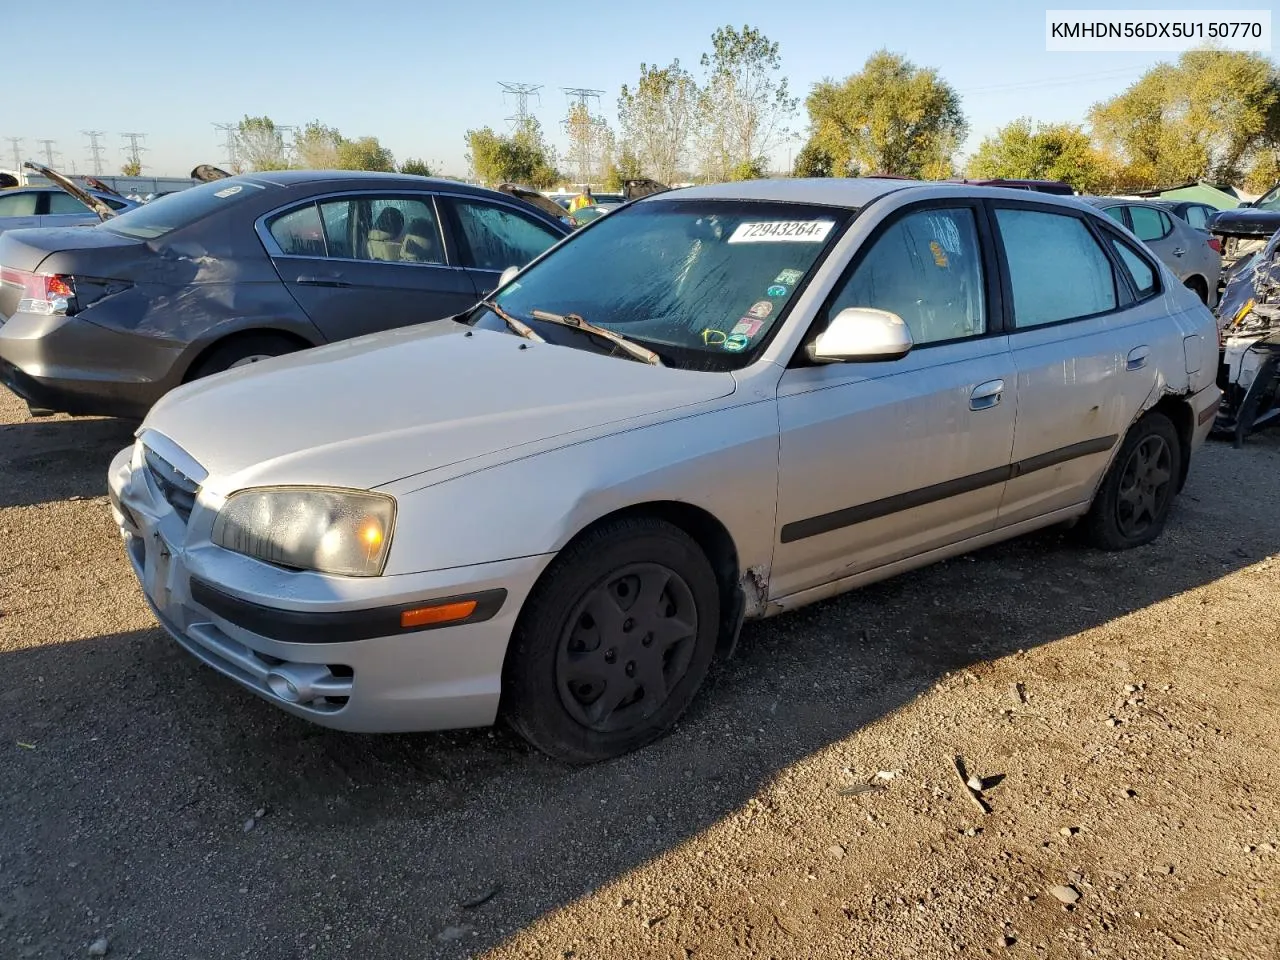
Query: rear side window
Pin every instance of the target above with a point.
(166, 214)
(299, 233)
(1140, 272)
(18, 204)
(384, 229)
(1198, 217)
(60, 203)
(1056, 268)
(1115, 213)
(495, 237)
(1150, 224)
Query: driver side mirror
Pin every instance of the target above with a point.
(862, 334)
(507, 276)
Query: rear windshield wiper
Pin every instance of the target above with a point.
(517, 326)
(630, 348)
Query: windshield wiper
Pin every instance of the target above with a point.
(631, 349)
(517, 326)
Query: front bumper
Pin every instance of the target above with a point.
(69, 365)
(356, 670)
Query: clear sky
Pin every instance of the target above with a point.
(418, 74)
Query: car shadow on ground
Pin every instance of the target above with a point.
(45, 460)
(144, 768)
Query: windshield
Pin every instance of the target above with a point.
(703, 283)
(168, 213)
(1270, 200)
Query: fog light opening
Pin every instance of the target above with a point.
(284, 688)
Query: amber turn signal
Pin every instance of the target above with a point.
(440, 613)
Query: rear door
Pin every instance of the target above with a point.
(492, 236)
(18, 209)
(1155, 228)
(886, 460)
(360, 263)
(1083, 345)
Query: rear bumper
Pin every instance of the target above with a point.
(69, 365)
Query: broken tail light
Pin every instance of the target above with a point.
(1215, 244)
(47, 294)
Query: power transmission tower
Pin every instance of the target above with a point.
(49, 152)
(522, 92)
(95, 149)
(16, 144)
(584, 129)
(135, 149)
(231, 144)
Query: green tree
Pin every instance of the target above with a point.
(749, 170)
(656, 118)
(892, 117)
(521, 157)
(1264, 172)
(419, 168)
(744, 104)
(1206, 117)
(1043, 151)
(316, 147)
(132, 168)
(366, 153)
(813, 161)
(261, 144)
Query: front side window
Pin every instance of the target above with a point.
(18, 204)
(1141, 272)
(926, 268)
(1149, 224)
(1056, 268)
(1115, 213)
(495, 237)
(383, 229)
(701, 282)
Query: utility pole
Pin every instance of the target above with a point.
(135, 149)
(230, 144)
(522, 92)
(49, 152)
(95, 149)
(16, 144)
(583, 129)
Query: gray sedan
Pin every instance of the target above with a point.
(712, 404)
(1190, 253)
(22, 207)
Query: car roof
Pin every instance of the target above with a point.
(829, 191)
(1117, 201)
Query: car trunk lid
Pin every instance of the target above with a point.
(67, 252)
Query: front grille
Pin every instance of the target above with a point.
(178, 490)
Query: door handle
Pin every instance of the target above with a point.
(1177, 251)
(986, 395)
(1137, 358)
(322, 282)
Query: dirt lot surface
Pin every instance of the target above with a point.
(1122, 709)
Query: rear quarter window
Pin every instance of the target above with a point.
(177, 210)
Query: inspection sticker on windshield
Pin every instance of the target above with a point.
(789, 276)
(782, 231)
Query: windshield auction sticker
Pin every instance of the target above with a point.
(782, 231)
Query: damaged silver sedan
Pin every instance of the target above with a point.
(1249, 321)
(714, 404)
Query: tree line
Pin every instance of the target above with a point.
(1211, 115)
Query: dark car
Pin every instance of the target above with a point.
(1195, 212)
(106, 319)
(1246, 229)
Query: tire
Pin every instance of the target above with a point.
(574, 686)
(1133, 502)
(240, 350)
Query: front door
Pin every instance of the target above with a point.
(493, 236)
(882, 461)
(360, 264)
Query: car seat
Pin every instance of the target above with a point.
(384, 239)
(421, 242)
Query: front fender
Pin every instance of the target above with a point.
(723, 461)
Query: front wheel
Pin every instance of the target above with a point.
(614, 643)
(1135, 497)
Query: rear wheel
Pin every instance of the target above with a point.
(1199, 288)
(614, 643)
(1135, 497)
(241, 351)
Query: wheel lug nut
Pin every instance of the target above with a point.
(631, 669)
(648, 639)
(628, 625)
(610, 656)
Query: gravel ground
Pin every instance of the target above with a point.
(1120, 709)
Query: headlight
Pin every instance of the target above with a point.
(345, 532)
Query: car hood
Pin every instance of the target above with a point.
(1246, 221)
(366, 412)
